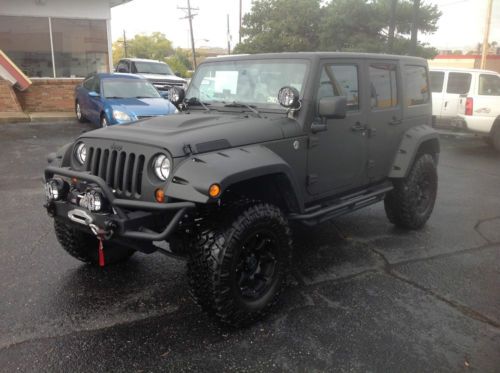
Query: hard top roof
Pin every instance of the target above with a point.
(316, 55)
(141, 60)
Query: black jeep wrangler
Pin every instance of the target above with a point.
(262, 141)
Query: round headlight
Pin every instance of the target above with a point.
(81, 153)
(162, 167)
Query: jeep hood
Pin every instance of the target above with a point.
(203, 132)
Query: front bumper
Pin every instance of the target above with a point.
(128, 218)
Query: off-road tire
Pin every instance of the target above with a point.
(84, 247)
(217, 255)
(78, 109)
(410, 204)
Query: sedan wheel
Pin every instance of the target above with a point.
(78, 111)
(104, 121)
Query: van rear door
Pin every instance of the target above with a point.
(458, 84)
(436, 79)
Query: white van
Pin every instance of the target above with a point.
(467, 99)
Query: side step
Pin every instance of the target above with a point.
(344, 205)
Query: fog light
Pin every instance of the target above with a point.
(92, 200)
(55, 189)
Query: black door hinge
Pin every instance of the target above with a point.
(312, 179)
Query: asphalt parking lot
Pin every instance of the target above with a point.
(364, 296)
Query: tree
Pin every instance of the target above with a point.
(155, 46)
(335, 25)
(281, 25)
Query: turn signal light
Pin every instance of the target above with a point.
(159, 195)
(214, 190)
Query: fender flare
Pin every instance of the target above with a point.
(409, 147)
(193, 177)
(61, 158)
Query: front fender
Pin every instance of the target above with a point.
(193, 177)
(412, 141)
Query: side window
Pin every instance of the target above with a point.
(383, 87)
(89, 83)
(489, 85)
(436, 79)
(417, 90)
(340, 80)
(458, 83)
(122, 67)
(97, 85)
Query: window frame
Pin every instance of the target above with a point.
(479, 85)
(427, 77)
(349, 63)
(458, 73)
(442, 83)
(369, 63)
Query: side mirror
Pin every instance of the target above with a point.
(176, 73)
(176, 95)
(93, 94)
(122, 70)
(332, 107)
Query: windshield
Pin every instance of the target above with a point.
(128, 88)
(250, 82)
(152, 68)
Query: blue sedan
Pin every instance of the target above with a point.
(107, 99)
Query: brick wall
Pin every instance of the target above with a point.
(8, 99)
(49, 95)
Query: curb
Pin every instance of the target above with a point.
(7, 118)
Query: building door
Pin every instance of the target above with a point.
(337, 155)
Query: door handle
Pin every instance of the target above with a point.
(395, 121)
(358, 127)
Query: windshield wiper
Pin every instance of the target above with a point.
(196, 101)
(112, 97)
(144, 97)
(242, 104)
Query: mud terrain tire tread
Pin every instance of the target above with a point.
(400, 203)
(213, 261)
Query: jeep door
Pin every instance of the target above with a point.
(385, 119)
(337, 154)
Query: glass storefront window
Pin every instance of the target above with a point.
(26, 41)
(80, 47)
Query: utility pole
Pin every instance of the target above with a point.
(414, 28)
(228, 37)
(392, 26)
(239, 32)
(486, 36)
(190, 17)
(125, 44)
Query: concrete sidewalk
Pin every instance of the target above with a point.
(17, 117)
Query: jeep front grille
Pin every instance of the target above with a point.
(122, 171)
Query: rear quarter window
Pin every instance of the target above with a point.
(417, 88)
(489, 85)
(458, 83)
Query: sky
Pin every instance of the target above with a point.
(460, 26)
